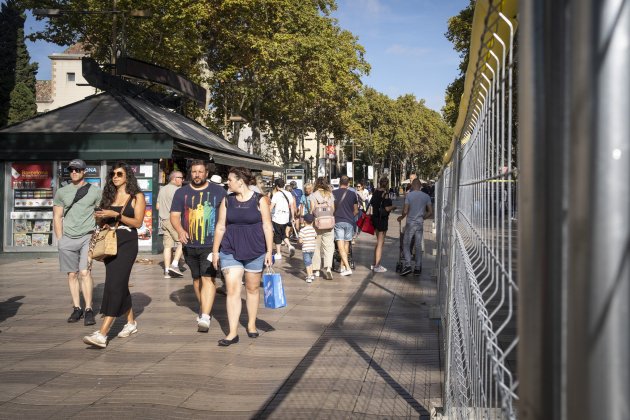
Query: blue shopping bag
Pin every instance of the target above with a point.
(274, 291)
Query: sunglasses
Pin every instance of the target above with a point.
(75, 170)
(118, 174)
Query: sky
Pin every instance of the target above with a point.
(404, 42)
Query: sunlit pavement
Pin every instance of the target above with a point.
(355, 347)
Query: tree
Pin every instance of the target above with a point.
(401, 134)
(172, 37)
(23, 104)
(459, 32)
(17, 81)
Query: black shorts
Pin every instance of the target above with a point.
(197, 260)
(279, 232)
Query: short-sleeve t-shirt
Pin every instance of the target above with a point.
(418, 202)
(345, 199)
(165, 199)
(281, 210)
(199, 211)
(79, 221)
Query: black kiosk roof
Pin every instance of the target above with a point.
(116, 126)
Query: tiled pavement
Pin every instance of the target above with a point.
(357, 347)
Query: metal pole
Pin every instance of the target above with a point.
(598, 372)
(543, 140)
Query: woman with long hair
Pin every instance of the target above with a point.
(243, 243)
(381, 205)
(325, 248)
(122, 205)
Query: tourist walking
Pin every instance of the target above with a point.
(123, 205)
(346, 210)
(381, 206)
(243, 243)
(282, 209)
(73, 224)
(193, 215)
(308, 239)
(170, 237)
(417, 208)
(323, 207)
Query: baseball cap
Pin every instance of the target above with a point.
(216, 179)
(309, 218)
(77, 163)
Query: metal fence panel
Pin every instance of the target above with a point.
(476, 220)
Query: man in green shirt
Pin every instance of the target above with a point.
(74, 223)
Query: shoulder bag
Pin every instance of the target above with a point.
(103, 243)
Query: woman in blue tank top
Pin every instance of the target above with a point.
(244, 234)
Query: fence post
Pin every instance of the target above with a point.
(542, 198)
(598, 378)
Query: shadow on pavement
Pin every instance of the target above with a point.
(9, 307)
(139, 301)
(186, 297)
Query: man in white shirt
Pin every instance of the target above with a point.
(282, 208)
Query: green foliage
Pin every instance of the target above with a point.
(402, 134)
(459, 31)
(17, 79)
(22, 104)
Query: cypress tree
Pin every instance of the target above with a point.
(17, 81)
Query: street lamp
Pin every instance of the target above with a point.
(310, 168)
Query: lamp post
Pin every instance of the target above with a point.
(310, 169)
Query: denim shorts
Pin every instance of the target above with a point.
(308, 258)
(344, 231)
(255, 265)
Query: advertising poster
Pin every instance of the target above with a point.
(31, 175)
(146, 230)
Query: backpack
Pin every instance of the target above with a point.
(324, 217)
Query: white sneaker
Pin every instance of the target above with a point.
(346, 272)
(309, 279)
(379, 269)
(277, 256)
(203, 325)
(317, 273)
(96, 339)
(174, 271)
(128, 329)
(166, 275)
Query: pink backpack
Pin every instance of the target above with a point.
(324, 215)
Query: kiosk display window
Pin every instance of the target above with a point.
(30, 204)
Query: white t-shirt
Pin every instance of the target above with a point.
(281, 207)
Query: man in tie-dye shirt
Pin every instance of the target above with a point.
(194, 215)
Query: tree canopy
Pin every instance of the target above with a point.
(459, 30)
(285, 67)
(17, 80)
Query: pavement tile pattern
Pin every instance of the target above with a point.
(360, 347)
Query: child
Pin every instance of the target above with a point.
(307, 239)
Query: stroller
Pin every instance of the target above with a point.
(336, 265)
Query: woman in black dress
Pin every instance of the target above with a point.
(123, 204)
(381, 206)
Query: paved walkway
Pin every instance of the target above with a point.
(357, 347)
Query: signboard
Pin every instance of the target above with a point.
(371, 172)
(321, 168)
(349, 170)
(93, 171)
(330, 151)
(31, 175)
